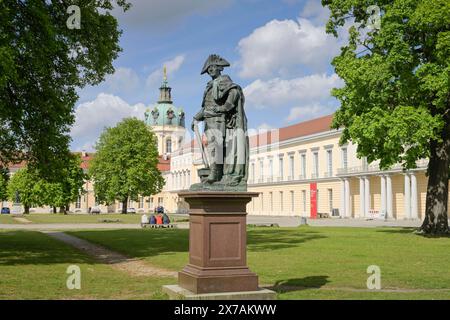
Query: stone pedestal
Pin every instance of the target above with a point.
(217, 243)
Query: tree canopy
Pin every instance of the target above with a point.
(69, 185)
(42, 64)
(125, 164)
(28, 187)
(3, 185)
(33, 190)
(395, 103)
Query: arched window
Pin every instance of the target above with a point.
(169, 145)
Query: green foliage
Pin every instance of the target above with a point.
(69, 185)
(396, 97)
(125, 165)
(28, 185)
(42, 64)
(35, 191)
(3, 186)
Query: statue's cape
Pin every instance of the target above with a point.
(238, 141)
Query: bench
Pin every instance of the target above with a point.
(263, 225)
(145, 225)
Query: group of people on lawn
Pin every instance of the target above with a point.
(159, 217)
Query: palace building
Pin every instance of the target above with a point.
(298, 170)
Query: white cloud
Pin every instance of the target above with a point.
(163, 14)
(314, 11)
(307, 112)
(105, 111)
(279, 46)
(172, 66)
(279, 93)
(123, 80)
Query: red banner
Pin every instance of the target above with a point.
(313, 199)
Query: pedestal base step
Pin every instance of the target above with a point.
(176, 292)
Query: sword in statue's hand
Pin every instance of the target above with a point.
(200, 143)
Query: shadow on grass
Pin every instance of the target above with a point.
(397, 230)
(273, 239)
(139, 243)
(413, 231)
(312, 282)
(34, 248)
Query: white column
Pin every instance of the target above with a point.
(347, 198)
(414, 213)
(342, 206)
(361, 198)
(383, 193)
(407, 198)
(366, 196)
(389, 213)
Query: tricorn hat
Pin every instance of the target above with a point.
(214, 59)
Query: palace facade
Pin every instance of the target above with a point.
(299, 170)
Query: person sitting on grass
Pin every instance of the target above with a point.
(166, 219)
(152, 219)
(159, 219)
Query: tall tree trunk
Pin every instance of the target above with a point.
(54, 209)
(124, 205)
(62, 209)
(67, 209)
(26, 209)
(436, 218)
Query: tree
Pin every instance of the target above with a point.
(26, 185)
(3, 186)
(43, 61)
(395, 103)
(125, 164)
(69, 185)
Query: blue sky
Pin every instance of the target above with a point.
(278, 50)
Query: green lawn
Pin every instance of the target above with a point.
(7, 219)
(33, 266)
(313, 262)
(299, 263)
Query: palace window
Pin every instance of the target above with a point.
(271, 200)
(330, 162)
(169, 145)
(292, 201)
(261, 169)
(262, 202)
(281, 168)
(316, 164)
(291, 167)
(281, 201)
(303, 164)
(304, 200)
(78, 203)
(271, 168)
(344, 158)
(150, 203)
(330, 199)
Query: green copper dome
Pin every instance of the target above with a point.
(164, 113)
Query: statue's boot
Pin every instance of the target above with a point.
(215, 173)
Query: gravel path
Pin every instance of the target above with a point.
(134, 267)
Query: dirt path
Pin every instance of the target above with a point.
(22, 220)
(134, 267)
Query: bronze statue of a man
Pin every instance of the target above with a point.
(225, 122)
